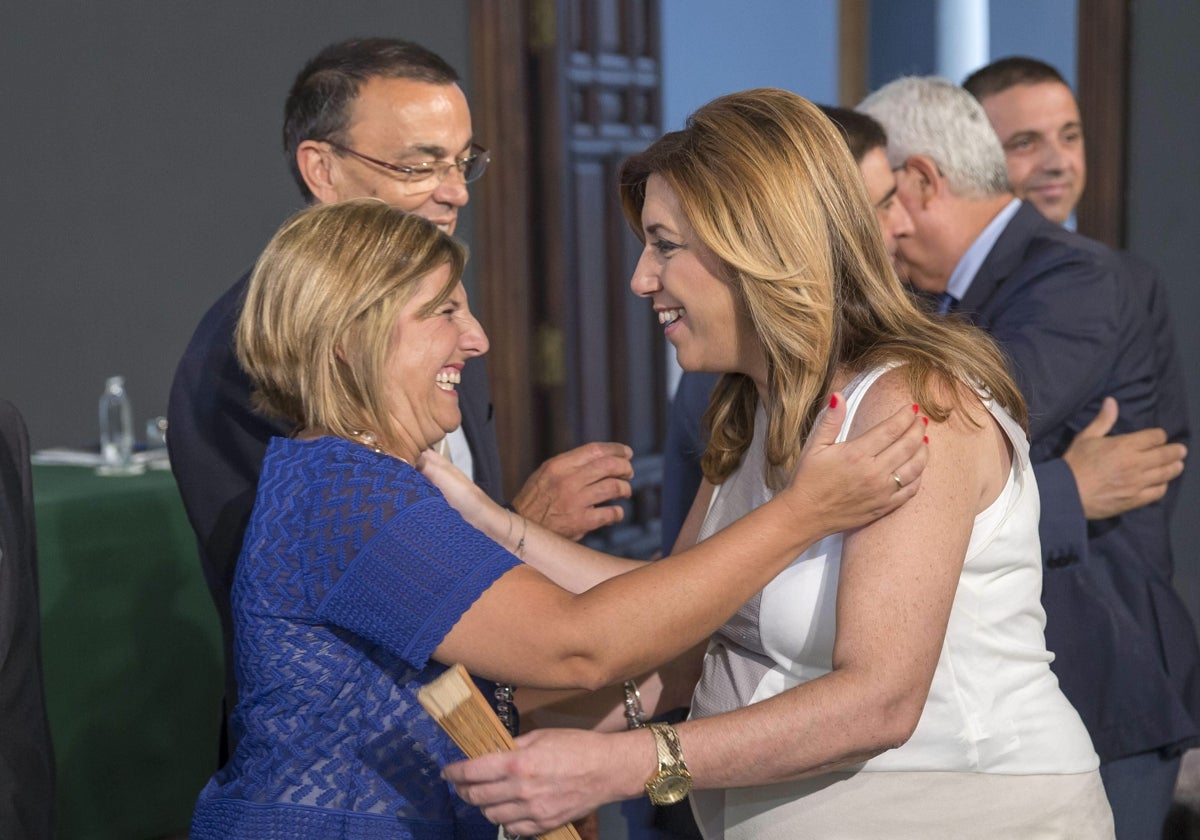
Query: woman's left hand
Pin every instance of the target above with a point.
(552, 777)
(846, 485)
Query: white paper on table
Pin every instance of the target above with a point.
(65, 456)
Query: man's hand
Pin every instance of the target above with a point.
(1119, 473)
(570, 493)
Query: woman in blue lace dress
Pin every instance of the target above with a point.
(358, 582)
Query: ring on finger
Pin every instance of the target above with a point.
(899, 483)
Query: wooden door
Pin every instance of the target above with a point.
(1103, 72)
(568, 89)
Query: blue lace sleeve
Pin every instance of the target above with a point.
(414, 578)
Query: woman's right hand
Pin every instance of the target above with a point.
(554, 776)
(845, 485)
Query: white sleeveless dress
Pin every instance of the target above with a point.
(999, 752)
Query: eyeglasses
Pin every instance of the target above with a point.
(425, 177)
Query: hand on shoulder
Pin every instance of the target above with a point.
(972, 452)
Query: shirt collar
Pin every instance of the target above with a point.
(970, 262)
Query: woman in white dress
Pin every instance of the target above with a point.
(893, 681)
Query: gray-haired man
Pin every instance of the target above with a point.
(1126, 652)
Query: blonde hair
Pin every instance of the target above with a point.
(768, 185)
(315, 328)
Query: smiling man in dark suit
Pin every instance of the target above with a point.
(1075, 333)
(1034, 113)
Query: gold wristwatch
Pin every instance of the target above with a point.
(672, 781)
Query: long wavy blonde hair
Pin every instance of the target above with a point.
(768, 185)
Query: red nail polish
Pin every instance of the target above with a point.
(926, 438)
(915, 408)
(833, 401)
(925, 420)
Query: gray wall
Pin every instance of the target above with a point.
(1164, 218)
(143, 174)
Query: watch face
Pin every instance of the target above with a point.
(670, 788)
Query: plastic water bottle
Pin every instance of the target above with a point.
(116, 430)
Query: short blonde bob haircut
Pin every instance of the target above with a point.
(315, 329)
(769, 187)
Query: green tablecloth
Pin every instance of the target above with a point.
(132, 653)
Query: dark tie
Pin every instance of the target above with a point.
(946, 302)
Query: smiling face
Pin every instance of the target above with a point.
(403, 122)
(698, 309)
(426, 353)
(1042, 135)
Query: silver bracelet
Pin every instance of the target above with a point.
(505, 710)
(635, 715)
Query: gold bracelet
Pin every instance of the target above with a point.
(671, 782)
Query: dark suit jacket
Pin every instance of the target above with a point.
(682, 449)
(217, 443)
(1172, 392)
(26, 758)
(1076, 329)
